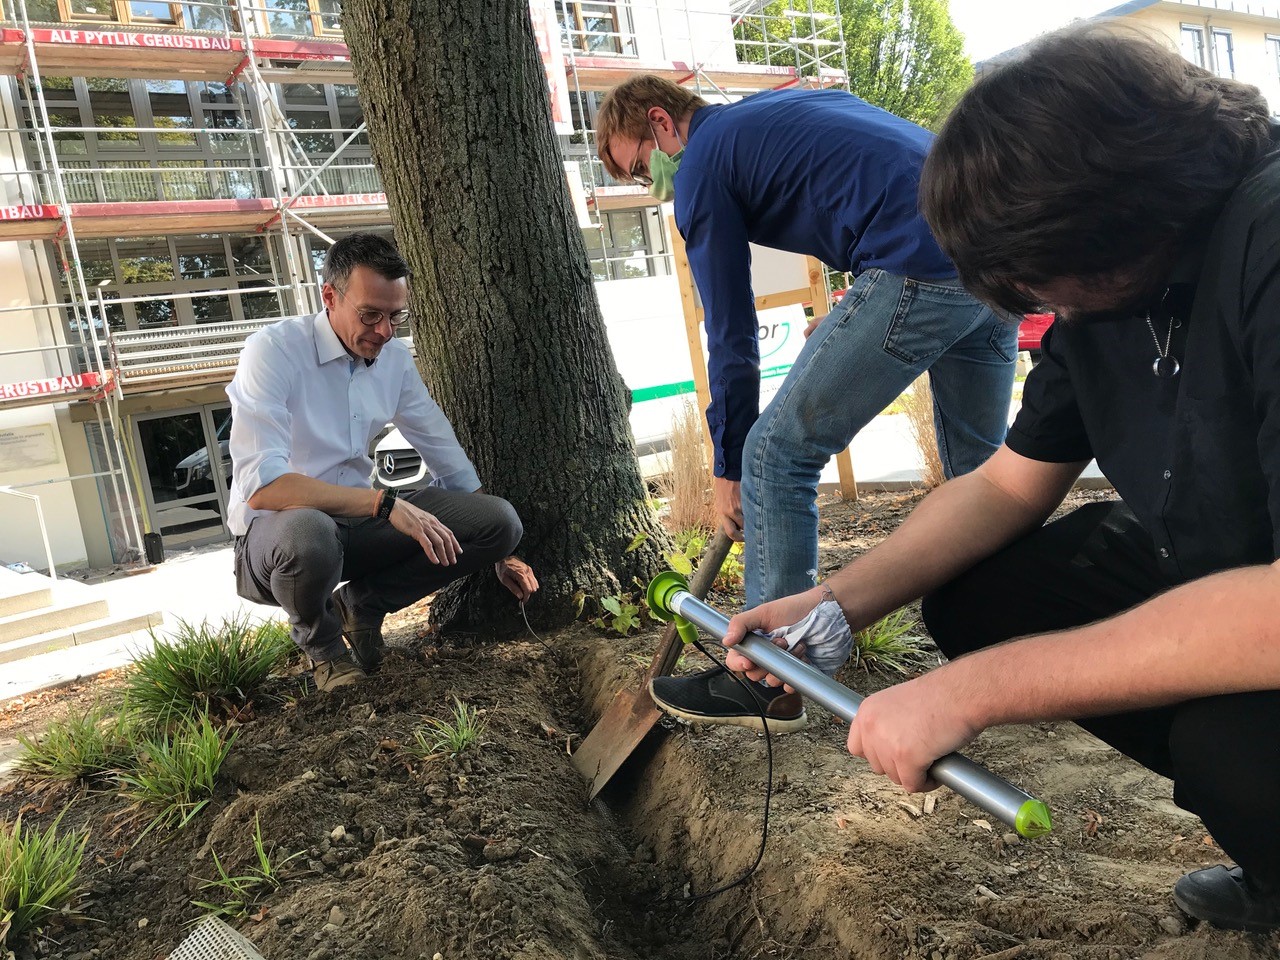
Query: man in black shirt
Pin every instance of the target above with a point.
(1138, 196)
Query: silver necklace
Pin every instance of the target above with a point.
(1164, 366)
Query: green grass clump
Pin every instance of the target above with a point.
(83, 746)
(690, 545)
(240, 893)
(448, 738)
(205, 668)
(39, 876)
(892, 644)
(175, 771)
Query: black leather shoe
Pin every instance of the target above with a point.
(1225, 898)
(716, 696)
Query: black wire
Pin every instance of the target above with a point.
(768, 787)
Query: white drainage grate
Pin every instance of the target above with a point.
(214, 940)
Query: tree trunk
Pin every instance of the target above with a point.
(508, 330)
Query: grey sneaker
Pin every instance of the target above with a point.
(339, 672)
(365, 639)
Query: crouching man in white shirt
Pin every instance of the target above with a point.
(307, 400)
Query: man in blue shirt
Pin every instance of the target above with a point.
(825, 174)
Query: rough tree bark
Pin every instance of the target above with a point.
(508, 330)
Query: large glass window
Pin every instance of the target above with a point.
(200, 258)
(171, 109)
(599, 27)
(112, 107)
(1192, 42)
(145, 260)
(1224, 54)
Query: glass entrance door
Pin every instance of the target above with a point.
(186, 473)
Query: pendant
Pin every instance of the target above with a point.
(1166, 368)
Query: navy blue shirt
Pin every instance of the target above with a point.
(820, 173)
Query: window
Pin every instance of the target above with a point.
(599, 27)
(1192, 41)
(171, 109)
(1224, 58)
(1273, 54)
(134, 11)
(112, 107)
(303, 17)
(627, 244)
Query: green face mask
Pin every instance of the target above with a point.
(662, 170)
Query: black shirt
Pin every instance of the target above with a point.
(1195, 457)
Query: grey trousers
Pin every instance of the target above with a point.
(294, 559)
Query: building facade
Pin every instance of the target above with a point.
(171, 176)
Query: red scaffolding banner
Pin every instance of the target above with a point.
(53, 385)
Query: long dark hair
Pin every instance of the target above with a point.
(1093, 153)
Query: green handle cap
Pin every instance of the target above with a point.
(1033, 820)
(661, 589)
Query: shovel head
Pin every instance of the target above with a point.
(632, 713)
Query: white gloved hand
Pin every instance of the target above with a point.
(825, 632)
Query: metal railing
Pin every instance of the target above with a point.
(44, 531)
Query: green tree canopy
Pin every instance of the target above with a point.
(903, 55)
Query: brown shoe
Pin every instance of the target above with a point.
(365, 639)
(339, 672)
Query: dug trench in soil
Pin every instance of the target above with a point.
(856, 868)
(496, 854)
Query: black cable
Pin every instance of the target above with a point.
(768, 788)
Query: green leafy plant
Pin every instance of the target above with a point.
(690, 545)
(242, 892)
(205, 668)
(731, 571)
(80, 746)
(892, 644)
(448, 738)
(39, 875)
(619, 615)
(175, 771)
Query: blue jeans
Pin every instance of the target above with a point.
(885, 333)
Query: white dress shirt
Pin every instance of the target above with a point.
(301, 404)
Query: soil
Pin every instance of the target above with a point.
(497, 854)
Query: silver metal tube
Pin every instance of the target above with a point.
(973, 782)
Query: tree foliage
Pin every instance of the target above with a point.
(903, 55)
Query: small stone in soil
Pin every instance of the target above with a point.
(336, 916)
(1171, 926)
(337, 833)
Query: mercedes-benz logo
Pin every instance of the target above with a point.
(388, 464)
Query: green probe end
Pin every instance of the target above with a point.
(661, 589)
(1033, 820)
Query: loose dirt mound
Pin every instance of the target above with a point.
(497, 855)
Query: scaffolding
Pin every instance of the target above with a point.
(251, 169)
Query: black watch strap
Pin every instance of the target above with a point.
(388, 503)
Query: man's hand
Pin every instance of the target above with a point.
(813, 325)
(763, 619)
(903, 729)
(729, 507)
(517, 576)
(437, 540)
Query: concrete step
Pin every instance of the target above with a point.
(22, 592)
(77, 634)
(64, 615)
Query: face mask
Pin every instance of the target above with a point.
(662, 171)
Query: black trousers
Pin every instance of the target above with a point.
(1222, 752)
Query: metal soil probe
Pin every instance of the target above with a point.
(669, 599)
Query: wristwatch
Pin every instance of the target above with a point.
(387, 503)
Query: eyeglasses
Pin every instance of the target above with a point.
(637, 177)
(371, 318)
